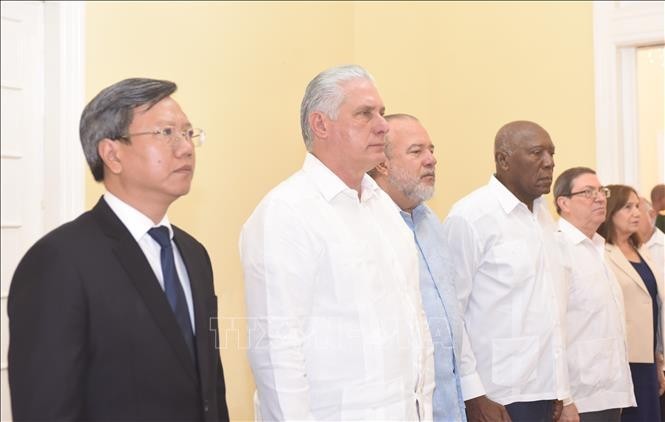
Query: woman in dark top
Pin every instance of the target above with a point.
(642, 293)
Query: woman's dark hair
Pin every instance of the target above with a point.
(619, 195)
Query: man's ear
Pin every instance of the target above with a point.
(562, 202)
(653, 214)
(382, 168)
(108, 151)
(501, 159)
(319, 124)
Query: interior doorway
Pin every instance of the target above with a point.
(42, 166)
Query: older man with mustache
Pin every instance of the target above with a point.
(598, 368)
(502, 253)
(407, 176)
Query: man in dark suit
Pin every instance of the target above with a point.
(113, 316)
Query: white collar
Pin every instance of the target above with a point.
(576, 236)
(136, 222)
(330, 185)
(657, 237)
(507, 199)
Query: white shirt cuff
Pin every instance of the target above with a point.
(472, 386)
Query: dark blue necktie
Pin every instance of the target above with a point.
(174, 293)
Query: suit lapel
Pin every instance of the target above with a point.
(131, 257)
(198, 279)
(617, 257)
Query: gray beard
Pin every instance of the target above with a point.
(409, 187)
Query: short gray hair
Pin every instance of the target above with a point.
(387, 150)
(324, 94)
(395, 116)
(510, 134)
(110, 113)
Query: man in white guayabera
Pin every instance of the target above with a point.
(508, 269)
(598, 369)
(337, 327)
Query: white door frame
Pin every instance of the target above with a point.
(619, 28)
(61, 187)
(64, 187)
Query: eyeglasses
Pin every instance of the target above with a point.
(172, 137)
(591, 193)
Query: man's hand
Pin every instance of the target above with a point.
(568, 413)
(660, 367)
(661, 382)
(482, 409)
(557, 406)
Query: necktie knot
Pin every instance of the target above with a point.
(161, 235)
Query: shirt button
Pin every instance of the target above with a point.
(206, 406)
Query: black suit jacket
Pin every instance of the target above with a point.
(92, 336)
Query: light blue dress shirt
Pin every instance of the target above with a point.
(442, 310)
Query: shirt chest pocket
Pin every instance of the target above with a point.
(353, 272)
(513, 262)
(360, 273)
(591, 293)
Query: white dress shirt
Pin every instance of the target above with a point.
(337, 328)
(656, 246)
(598, 367)
(509, 272)
(138, 225)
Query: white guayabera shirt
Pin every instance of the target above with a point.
(336, 325)
(595, 325)
(509, 273)
(656, 246)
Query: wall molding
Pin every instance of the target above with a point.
(619, 28)
(64, 193)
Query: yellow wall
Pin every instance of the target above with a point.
(241, 70)
(463, 68)
(467, 68)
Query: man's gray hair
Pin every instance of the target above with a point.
(387, 149)
(110, 113)
(395, 116)
(324, 94)
(512, 134)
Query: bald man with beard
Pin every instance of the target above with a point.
(506, 263)
(408, 175)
